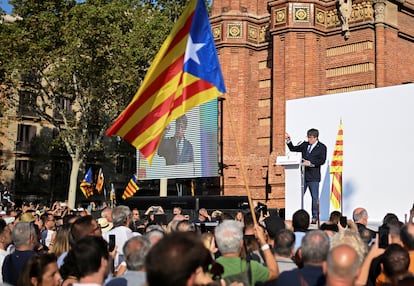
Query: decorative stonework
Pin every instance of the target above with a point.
(263, 33)
(252, 33)
(300, 13)
(234, 31)
(352, 69)
(360, 12)
(280, 16)
(350, 88)
(320, 17)
(216, 32)
(351, 48)
(379, 6)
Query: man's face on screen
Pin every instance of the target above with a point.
(312, 139)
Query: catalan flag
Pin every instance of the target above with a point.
(86, 184)
(100, 181)
(336, 170)
(185, 73)
(131, 188)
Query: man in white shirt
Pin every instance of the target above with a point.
(5, 241)
(121, 219)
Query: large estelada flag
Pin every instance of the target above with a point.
(131, 188)
(336, 170)
(86, 184)
(185, 73)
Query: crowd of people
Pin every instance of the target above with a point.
(123, 246)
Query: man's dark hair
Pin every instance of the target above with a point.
(3, 225)
(284, 242)
(85, 256)
(174, 258)
(395, 260)
(313, 132)
(80, 228)
(300, 220)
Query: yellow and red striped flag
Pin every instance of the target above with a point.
(185, 73)
(131, 188)
(86, 184)
(336, 170)
(100, 181)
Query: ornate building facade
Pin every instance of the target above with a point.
(274, 51)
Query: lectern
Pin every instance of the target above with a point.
(294, 181)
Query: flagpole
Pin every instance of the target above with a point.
(246, 185)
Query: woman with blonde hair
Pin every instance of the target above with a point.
(60, 244)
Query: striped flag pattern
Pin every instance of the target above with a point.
(100, 181)
(131, 188)
(336, 170)
(185, 73)
(86, 184)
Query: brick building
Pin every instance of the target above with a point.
(273, 51)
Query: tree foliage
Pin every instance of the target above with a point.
(81, 63)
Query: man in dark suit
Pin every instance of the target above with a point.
(177, 149)
(313, 156)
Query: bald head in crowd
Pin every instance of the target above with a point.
(342, 266)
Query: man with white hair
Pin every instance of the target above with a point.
(121, 219)
(229, 239)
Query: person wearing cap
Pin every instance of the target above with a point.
(104, 224)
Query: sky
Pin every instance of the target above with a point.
(4, 4)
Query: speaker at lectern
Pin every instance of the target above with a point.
(294, 181)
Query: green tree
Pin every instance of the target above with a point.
(81, 63)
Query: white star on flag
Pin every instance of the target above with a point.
(191, 50)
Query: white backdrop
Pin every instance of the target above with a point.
(378, 126)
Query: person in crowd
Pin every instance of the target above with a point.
(342, 266)
(300, 224)
(177, 211)
(104, 224)
(137, 224)
(121, 218)
(24, 238)
(40, 270)
(5, 241)
(61, 243)
(107, 213)
(375, 271)
(90, 260)
(81, 227)
(135, 251)
(313, 251)
(179, 259)
(395, 262)
(49, 223)
(274, 224)
(229, 240)
(284, 247)
(251, 244)
(360, 217)
(203, 216)
(313, 156)
(351, 238)
(186, 225)
(331, 226)
(154, 235)
(239, 216)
